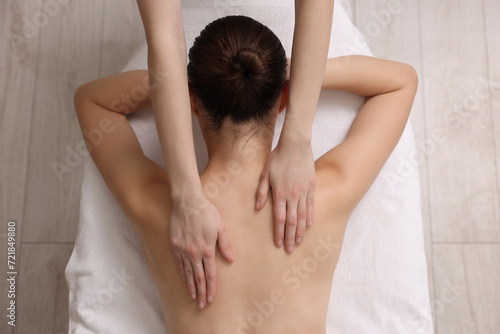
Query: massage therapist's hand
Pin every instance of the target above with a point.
(290, 173)
(195, 229)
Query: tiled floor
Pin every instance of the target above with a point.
(453, 44)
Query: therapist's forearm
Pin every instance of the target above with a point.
(170, 95)
(313, 21)
(172, 112)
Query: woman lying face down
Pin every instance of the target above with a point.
(238, 84)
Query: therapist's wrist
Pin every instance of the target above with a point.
(189, 200)
(295, 131)
(182, 191)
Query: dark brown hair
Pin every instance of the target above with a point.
(237, 69)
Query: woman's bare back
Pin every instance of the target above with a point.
(265, 290)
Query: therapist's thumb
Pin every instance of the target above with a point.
(224, 248)
(262, 190)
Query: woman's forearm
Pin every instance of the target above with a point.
(364, 75)
(313, 22)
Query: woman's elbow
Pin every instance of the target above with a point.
(80, 94)
(411, 76)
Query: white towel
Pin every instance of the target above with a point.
(380, 284)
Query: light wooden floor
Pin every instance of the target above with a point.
(453, 44)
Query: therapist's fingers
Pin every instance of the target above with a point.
(199, 277)
(223, 243)
(191, 286)
(310, 206)
(291, 226)
(279, 211)
(301, 220)
(180, 264)
(211, 277)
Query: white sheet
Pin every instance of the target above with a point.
(380, 285)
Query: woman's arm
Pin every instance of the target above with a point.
(390, 88)
(290, 168)
(100, 106)
(192, 213)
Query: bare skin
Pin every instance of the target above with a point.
(289, 171)
(290, 292)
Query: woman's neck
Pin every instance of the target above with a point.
(240, 158)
